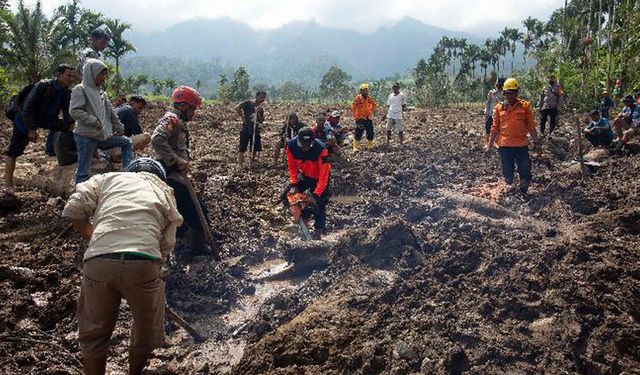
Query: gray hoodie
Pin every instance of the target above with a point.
(90, 107)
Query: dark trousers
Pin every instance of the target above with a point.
(186, 207)
(512, 156)
(361, 127)
(488, 122)
(552, 113)
(599, 139)
(320, 211)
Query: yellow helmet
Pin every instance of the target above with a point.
(364, 86)
(510, 84)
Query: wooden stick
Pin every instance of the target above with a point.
(174, 317)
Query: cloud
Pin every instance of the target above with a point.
(360, 15)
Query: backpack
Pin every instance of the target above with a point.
(16, 102)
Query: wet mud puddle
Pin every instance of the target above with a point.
(271, 278)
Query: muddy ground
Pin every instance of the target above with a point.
(431, 265)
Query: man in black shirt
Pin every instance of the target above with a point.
(252, 116)
(46, 107)
(288, 132)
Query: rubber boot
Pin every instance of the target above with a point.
(370, 144)
(356, 145)
(401, 137)
(388, 138)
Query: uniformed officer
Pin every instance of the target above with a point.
(170, 141)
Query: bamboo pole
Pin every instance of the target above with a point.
(612, 20)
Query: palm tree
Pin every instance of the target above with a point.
(78, 23)
(118, 46)
(32, 50)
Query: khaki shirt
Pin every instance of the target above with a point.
(170, 139)
(132, 212)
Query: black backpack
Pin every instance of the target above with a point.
(16, 102)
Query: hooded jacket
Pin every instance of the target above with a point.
(90, 107)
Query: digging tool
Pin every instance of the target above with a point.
(580, 148)
(201, 216)
(174, 317)
(297, 203)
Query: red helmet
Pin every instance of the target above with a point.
(186, 94)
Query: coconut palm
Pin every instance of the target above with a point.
(118, 46)
(32, 47)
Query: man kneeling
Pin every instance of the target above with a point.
(308, 156)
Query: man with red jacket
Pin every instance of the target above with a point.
(309, 171)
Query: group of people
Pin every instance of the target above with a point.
(79, 120)
(509, 121)
(132, 218)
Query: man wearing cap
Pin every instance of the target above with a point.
(362, 109)
(494, 96)
(131, 234)
(397, 103)
(598, 131)
(100, 38)
(334, 120)
(309, 170)
(627, 124)
(512, 121)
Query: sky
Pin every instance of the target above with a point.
(479, 16)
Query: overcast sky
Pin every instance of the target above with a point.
(485, 16)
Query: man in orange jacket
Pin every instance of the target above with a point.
(309, 171)
(362, 109)
(512, 121)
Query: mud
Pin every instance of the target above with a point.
(431, 265)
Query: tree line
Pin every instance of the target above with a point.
(588, 44)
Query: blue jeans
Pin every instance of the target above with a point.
(87, 147)
(509, 157)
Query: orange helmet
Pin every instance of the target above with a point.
(186, 94)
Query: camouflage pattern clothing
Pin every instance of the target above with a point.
(170, 139)
(83, 56)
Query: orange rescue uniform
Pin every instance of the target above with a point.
(362, 108)
(512, 123)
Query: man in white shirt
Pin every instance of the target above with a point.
(397, 103)
(132, 233)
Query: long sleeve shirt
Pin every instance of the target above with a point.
(132, 212)
(311, 163)
(170, 139)
(363, 108)
(512, 123)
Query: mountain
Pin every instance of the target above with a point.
(301, 51)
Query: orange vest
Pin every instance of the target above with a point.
(512, 123)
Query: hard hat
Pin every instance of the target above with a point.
(335, 114)
(510, 84)
(305, 136)
(364, 86)
(147, 165)
(186, 94)
(101, 32)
